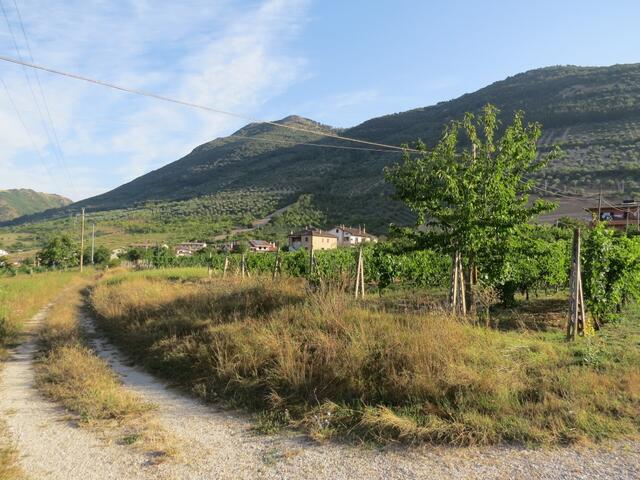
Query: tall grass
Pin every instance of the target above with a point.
(21, 297)
(70, 373)
(329, 365)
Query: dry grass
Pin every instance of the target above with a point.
(71, 374)
(332, 367)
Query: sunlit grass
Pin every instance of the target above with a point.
(334, 367)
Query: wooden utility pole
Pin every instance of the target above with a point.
(359, 288)
(242, 265)
(210, 266)
(577, 316)
(600, 205)
(82, 242)
(457, 291)
(93, 242)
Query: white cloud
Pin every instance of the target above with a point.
(223, 54)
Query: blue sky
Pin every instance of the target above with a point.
(338, 62)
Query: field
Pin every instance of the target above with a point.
(21, 297)
(378, 370)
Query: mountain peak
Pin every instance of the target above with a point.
(258, 128)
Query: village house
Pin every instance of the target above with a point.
(116, 252)
(620, 216)
(312, 239)
(349, 236)
(187, 249)
(262, 246)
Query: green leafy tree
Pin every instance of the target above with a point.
(60, 252)
(472, 190)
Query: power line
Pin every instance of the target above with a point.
(28, 132)
(293, 143)
(198, 106)
(33, 94)
(44, 102)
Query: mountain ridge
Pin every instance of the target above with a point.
(592, 112)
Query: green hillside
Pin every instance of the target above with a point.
(591, 112)
(18, 202)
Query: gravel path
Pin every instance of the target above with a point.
(50, 446)
(217, 444)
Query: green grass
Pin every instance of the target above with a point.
(22, 296)
(333, 367)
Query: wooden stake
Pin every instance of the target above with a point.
(457, 292)
(577, 314)
(453, 288)
(276, 267)
(359, 290)
(226, 266)
(242, 265)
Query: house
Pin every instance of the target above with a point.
(187, 249)
(349, 236)
(115, 253)
(312, 239)
(3, 253)
(619, 216)
(262, 246)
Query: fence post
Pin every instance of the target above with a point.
(577, 316)
(226, 266)
(242, 265)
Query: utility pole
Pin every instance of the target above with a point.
(82, 242)
(93, 242)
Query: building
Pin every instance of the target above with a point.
(189, 248)
(619, 216)
(349, 236)
(115, 253)
(3, 253)
(262, 246)
(312, 239)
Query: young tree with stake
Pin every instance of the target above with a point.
(472, 190)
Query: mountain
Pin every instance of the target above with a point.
(18, 202)
(591, 112)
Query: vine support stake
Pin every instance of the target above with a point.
(577, 316)
(359, 288)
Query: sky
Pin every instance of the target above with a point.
(335, 61)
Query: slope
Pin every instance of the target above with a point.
(18, 202)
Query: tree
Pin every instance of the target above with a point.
(472, 190)
(60, 252)
(101, 255)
